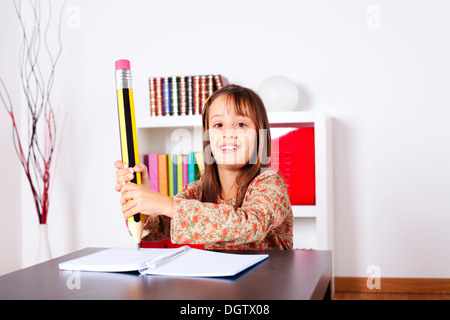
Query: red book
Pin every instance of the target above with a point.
(158, 96)
(151, 86)
(220, 81)
(293, 157)
(196, 95)
(203, 93)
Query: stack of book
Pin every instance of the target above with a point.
(169, 173)
(182, 95)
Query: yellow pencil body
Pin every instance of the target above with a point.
(128, 136)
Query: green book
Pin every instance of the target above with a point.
(179, 172)
(170, 174)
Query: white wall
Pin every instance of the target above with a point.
(385, 89)
(10, 231)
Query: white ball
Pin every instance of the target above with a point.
(279, 94)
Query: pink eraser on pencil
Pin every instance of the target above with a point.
(123, 64)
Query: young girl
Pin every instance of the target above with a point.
(238, 203)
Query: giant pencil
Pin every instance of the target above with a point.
(128, 136)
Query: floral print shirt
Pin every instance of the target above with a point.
(263, 222)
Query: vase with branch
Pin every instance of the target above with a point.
(36, 149)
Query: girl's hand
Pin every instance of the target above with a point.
(125, 174)
(139, 199)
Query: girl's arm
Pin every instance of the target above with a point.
(266, 207)
(157, 228)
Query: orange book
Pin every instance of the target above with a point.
(162, 174)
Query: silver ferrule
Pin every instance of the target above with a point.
(123, 79)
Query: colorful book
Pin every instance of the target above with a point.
(166, 97)
(191, 167)
(158, 96)
(170, 174)
(145, 161)
(174, 96)
(179, 172)
(200, 163)
(189, 96)
(220, 81)
(152, 91)
(185, 170)
(162, 174)
(203, 93)
(209, 85)
(182, 95)
(196, 94)
(175, 174)
(152, 165)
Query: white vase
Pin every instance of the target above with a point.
(44, 252)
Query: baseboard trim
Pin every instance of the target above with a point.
(393, 285)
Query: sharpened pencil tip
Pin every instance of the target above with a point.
(139, 246)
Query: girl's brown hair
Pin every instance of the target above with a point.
(246, 103)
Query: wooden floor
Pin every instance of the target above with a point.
(390, 296)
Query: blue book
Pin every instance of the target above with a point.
(190, 95)
(166, 97)
(191, 167)
(174, 96)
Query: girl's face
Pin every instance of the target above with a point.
(232, 136)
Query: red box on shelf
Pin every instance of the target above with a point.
(293, 157)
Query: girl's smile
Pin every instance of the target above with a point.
(229, 148)
(229, 145)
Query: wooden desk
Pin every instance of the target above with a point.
(285, 275)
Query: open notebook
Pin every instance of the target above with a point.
(184, 261)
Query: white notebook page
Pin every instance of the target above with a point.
(190, 263)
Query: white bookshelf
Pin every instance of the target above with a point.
(182, 134)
